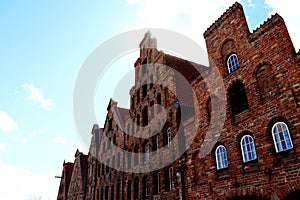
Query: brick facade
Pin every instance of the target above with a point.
(262, 106)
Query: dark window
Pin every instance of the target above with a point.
(238, 98)
(129, 190)
(112, 192)
(157, 186)
(145, 116)
(136, 155)
(118, 191)
(147, 186)
(136, 188)
(144, 87)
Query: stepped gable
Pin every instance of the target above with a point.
(226, 14)
(266, 25)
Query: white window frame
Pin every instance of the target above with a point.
(281, 135)
(147, 186)
(158, 182)
(157, 143)
(249, 144)
(221, 157)
(232, 63)
(147, 151)
(170, 177)
(169, 138)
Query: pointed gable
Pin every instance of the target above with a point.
(65, 180)
(79, 174)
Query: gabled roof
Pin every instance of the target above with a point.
(79, 167)
(185, 72)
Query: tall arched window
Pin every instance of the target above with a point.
(170, 178)
(157, 183)
(232, 63)
(129, 190)
(281, 137)
(238, 98)
(266, 81)
(136, 155)
(169, 139)
(248, 148)
(157, 142)
(147, 186)
(136, 188)
(147, 151)
(221, 157)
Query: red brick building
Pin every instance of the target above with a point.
(257, 151)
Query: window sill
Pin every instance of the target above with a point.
(238, 118)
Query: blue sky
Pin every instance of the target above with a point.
(43, 45)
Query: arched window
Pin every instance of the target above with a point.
(169, 139)
(248, 148)
(147, 151)
(129, 190)
(157, 142)
(281, 137)
(170, 178)
(238, 98)
(232, 63)
(221, 157)
(112, 191)
(129, 160)
(136, 188)
(147, 186)
(266, 81)
(157, 183)
(136, 155)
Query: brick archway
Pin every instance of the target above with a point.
(246, 193)
(289, 192)
(248, 198)
(293, 196)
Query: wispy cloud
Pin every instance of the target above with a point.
(291, 16)
(59, 139)
(36, 95)
(38, 185)
(7, 123)
(250, 3)
(18, 139)
(2, 146)
(190, 17)
(39, 131)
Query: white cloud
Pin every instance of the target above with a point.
(39, 131)
(36, 95)
(18, 139)
(2, 146)
(7, 123)
(250, 4)
(59, 139)
(291, 16)
(191, 17)
(27, 184)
